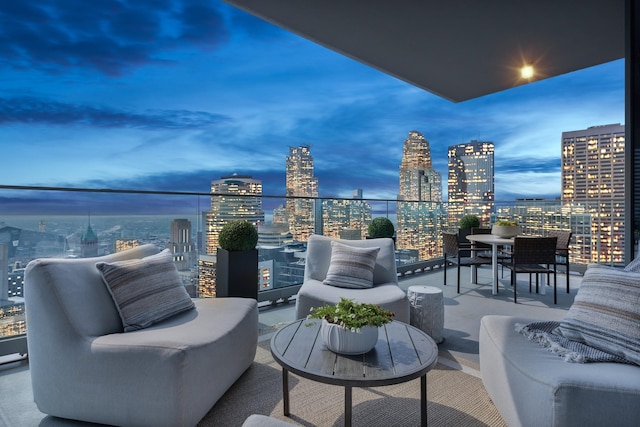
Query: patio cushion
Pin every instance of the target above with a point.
(351, 267)
(145, 291)
(605, 312)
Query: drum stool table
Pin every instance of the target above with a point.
(427, 310)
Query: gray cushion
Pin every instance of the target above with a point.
(605, 312)
(145, 291)
(351, 267)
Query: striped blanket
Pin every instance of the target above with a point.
(571, 351)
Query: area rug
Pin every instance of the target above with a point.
(454, 399)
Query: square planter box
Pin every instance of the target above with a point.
(237, 273)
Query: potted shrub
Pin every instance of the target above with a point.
(469, 221)
(349, 327)
(380, 227)
(237, 260)
(466, 223)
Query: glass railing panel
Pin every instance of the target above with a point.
(73, 223)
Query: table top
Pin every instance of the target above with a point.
(402, 353)
(490, 239)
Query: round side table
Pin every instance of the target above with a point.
(427, 310)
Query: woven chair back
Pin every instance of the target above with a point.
(534, 250)
(450, 244)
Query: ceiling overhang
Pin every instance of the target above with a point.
(460, 49)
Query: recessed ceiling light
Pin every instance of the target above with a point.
(526, 72)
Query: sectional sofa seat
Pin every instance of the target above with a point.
(581, 371)
(84, 366)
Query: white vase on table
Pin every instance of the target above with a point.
(506, 231)
(344, 341)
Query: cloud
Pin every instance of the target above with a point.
(34, 111)
(113, 37)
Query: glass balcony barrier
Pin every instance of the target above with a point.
(38, 222)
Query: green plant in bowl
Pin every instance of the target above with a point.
(506, 223)
(352, 315)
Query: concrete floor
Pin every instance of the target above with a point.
(461, 327)
(463, 311)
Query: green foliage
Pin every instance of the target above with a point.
(352, 315)
(381, 227)
(238, 235)
(469, 221)
(506, 223)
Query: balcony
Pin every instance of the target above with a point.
(459, 350)
(462, 311)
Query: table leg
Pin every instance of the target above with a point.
(285, 391)
(494, 268)
(474, 269)
(347, 406)
(423, 400)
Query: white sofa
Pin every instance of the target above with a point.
(84, 367)
(534, 387)
(385, 291)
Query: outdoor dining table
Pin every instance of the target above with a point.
(494, 241)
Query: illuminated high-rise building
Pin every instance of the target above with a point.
(300, 182)
(126, 244)
(346, 217)
(420, 214)
(233, 197)
(593, 183)
(471, 181)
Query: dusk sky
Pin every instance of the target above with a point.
(171, 94)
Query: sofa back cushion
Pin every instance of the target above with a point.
(319, 258)
(351, 267)
(73, 291)
(605, 313)
(146, 291)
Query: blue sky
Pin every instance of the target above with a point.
(171, 94)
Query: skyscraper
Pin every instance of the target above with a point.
(181, 244)
(346, 217)
(300, 182)
(593, 183)
(471, 181)
(420, 214)
(234, 197)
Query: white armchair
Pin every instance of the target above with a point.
(385, 291)
(83, 365)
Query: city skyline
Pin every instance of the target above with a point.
(171, 96)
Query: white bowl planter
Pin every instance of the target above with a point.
(506, 231)
(344, 341)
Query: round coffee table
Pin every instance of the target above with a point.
(402, 353)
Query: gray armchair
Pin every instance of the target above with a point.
(385, 291)
(84, 367)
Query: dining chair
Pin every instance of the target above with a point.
(487, 249)
(562, 249)
(532, 255)
(454, 252)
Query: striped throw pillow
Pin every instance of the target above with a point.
(605, 313)
(145, 291)
(351, 267)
